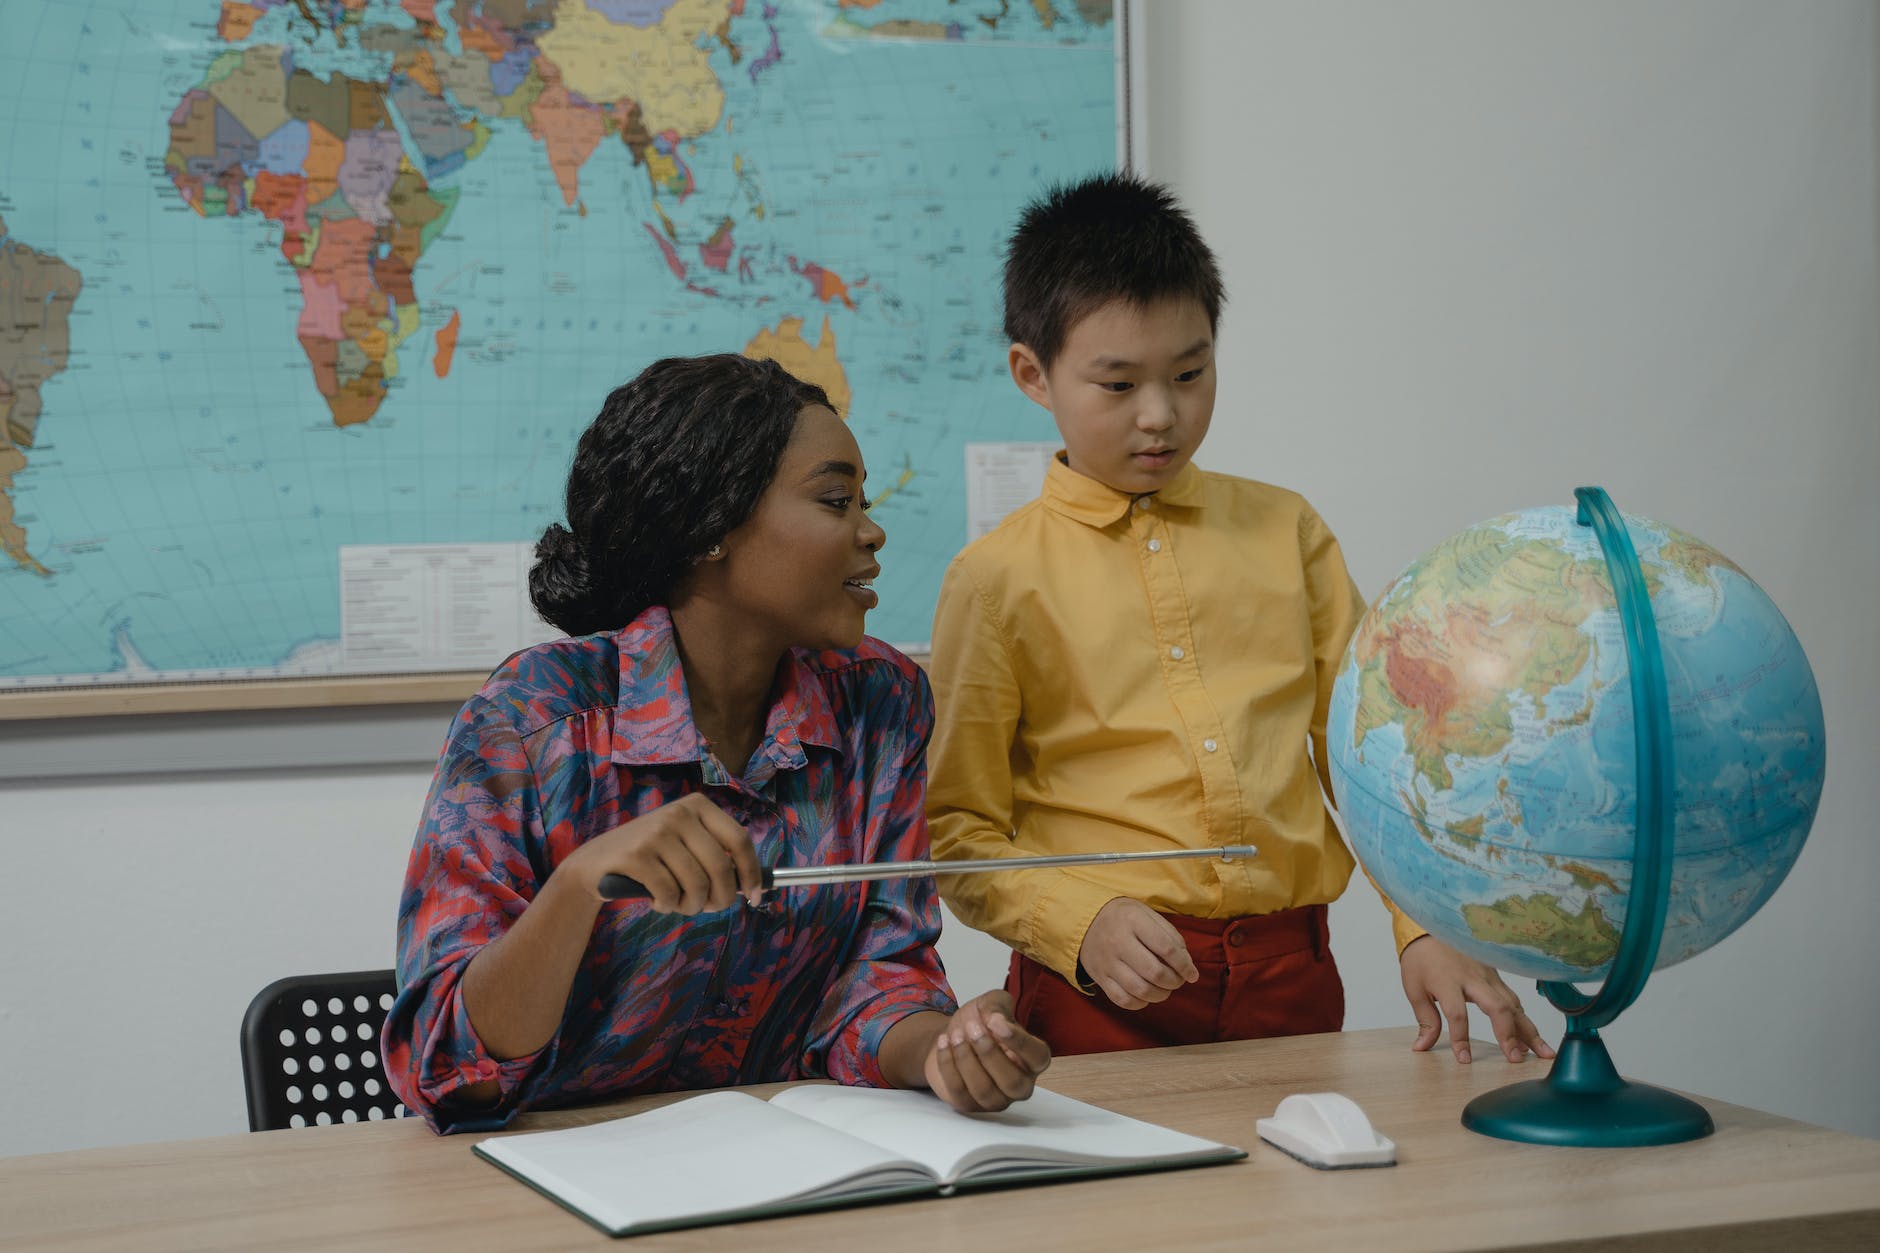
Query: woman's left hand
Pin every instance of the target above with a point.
(982, 1060)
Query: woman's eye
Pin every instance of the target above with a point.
(839, 503)
(1189, 376)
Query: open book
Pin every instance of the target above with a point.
(729, 1156)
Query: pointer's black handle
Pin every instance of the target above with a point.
(619, 887)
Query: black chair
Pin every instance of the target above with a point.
(310, 1051)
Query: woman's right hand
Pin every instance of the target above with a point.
(692, 856)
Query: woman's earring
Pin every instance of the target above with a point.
(715, 551)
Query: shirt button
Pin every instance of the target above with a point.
(1155, 545)
(1210, 745)
(1177, 653)
(1142, 502)
(722, 1009)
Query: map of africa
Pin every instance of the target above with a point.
(279, 277)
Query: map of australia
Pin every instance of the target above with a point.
(358, 272)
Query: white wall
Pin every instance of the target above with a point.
(1478, 254)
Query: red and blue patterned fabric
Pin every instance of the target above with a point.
(570, 739)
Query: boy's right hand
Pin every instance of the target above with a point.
(1135, 954)
(692, 856)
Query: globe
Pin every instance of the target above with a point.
(1511, 740)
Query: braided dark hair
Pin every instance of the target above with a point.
(676, 460)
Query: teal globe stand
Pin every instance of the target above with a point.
(1583, 1101)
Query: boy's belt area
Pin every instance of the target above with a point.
(1257, 937)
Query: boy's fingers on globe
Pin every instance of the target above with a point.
(1531, 1035)
(1514, 1030)
(1504, 1019)
(1457, 1012)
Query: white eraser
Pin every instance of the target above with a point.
(1326, 1130)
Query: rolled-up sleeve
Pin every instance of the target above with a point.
(469, 878)
(892, 969)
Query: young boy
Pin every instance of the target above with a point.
(1136, 661)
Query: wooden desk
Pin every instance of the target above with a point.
(1760, 1182)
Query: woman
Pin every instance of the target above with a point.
(717, 709)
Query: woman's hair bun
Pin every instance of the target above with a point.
(676, 460)
(561, 586)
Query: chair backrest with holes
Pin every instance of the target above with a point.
(310, 1051)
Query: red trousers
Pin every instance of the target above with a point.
(1267, 975)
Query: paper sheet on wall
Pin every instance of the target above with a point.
(1001, 477)
(416, 607)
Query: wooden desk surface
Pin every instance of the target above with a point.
(1760, 1182)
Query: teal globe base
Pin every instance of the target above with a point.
(1584, 1103)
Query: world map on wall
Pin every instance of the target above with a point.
(278, 277)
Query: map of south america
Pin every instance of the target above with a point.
(37, 291)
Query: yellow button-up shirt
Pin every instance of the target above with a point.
(1120, 673)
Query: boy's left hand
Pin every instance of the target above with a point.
(1440, 983)
(982, 1060)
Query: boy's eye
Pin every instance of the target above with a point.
(1116, 388)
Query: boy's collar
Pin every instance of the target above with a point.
(1098, 504)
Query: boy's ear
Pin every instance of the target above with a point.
(1028, 373)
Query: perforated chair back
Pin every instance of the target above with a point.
(310, 1051)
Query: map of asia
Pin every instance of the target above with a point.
(303, 303)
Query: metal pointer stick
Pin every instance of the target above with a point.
(619, 887)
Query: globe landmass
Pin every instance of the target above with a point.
(1482, 750)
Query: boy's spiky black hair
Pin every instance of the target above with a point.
(1083, 245)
